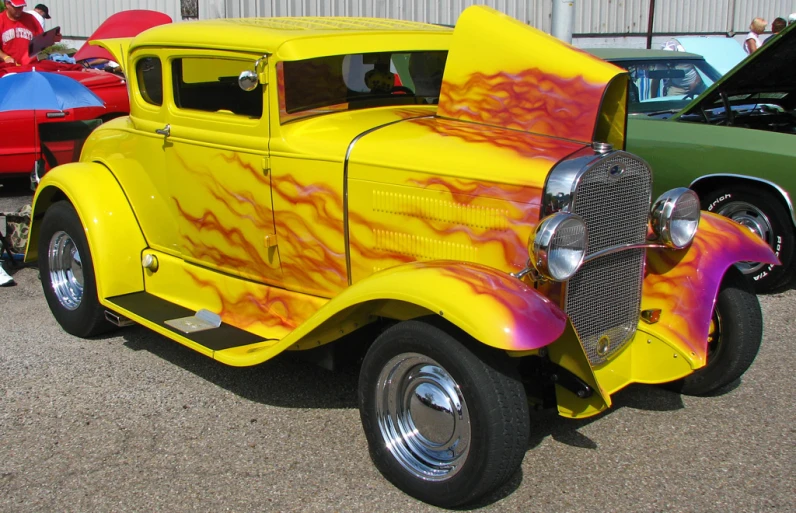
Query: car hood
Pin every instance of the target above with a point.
(120, 25)
(504, 73)
(97, 80)
(769, 69)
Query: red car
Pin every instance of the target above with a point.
(49, 138)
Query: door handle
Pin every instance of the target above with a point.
(165, 131)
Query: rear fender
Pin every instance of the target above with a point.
(684, 284)
(114, 236)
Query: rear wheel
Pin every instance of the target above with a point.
(67, 273)
(765, 216)
(444, 424)
(736, 330)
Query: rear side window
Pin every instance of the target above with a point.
(211, 85)
(149, 73)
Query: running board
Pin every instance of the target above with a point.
(142, 306)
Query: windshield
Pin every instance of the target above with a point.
(344, 82)
(666, 85)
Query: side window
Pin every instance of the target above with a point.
(149, 73)
(211, 85)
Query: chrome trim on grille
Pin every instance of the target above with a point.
(603, 299)
(623, 247)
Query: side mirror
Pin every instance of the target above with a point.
(248, 80)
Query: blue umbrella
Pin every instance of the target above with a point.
(35, 90)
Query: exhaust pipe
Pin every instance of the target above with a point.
(118, 320)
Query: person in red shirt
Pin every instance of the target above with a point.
(17, 29)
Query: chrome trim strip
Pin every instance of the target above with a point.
(779, 189)
(345, 187)
(623, 247)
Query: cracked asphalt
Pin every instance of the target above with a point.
(131, 421)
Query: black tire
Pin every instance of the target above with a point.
(492, 413)
(764, 214)
(737, 330)
(68, 282)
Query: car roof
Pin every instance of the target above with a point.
(618, 54)
(267, 35)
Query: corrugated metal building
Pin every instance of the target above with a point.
(618, 22)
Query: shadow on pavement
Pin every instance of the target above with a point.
(286, 380)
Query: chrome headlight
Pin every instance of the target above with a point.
(558, 246)
(675, 216)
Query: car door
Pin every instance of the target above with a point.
(216, 156)
(18, 147)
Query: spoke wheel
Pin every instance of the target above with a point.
(422, 417)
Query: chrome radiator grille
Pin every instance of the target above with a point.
(603, 299)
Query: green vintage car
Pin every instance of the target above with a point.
(729, 138)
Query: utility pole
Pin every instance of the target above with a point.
(563, 19)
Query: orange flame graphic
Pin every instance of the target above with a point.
(530, 100)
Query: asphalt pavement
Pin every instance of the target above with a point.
(132, 422)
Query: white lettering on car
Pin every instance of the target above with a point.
(718, 200)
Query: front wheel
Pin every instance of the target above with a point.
(67, 273)
(443, 424)
(762, 214)
(736, 330)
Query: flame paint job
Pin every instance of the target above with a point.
(443, 204)
(684, 284)
(223, 217)
(527, 80)
(481, 214)
(270, 312)
(526, 145)
(529, 100)
(520, 318)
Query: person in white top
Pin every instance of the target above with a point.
(41, 13)
(752, 41)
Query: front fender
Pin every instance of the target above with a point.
(492, 306)
(113, 234)
(684, 284)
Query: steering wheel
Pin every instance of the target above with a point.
(401, 89)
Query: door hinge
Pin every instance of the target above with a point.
(270, 240)
(266, 165)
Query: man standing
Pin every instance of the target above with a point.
(17, 29)
(41, 13)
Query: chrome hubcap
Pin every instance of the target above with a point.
(753, 219)
(422, 417)
(66, 270)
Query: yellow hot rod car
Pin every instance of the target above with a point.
(281, 183)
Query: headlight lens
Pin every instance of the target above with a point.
(675, 217)
(558, 246)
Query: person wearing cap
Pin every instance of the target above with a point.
(41, 13)
(17, 29)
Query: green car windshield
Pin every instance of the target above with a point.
(658, 86)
